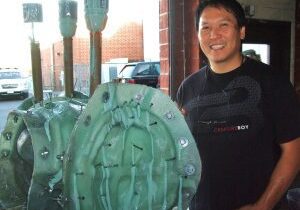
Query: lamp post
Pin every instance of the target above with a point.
(95, 16)
(67, 25)
(32, 12)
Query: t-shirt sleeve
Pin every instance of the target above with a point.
(179, 96)
(287, 111)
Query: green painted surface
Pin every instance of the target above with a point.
(131, 150)
(127, 147)
(13, 187)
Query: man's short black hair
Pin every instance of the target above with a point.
(231, 6)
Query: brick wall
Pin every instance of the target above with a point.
(179, 48)
(127, 42)
(164, 45)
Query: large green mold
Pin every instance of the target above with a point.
(127, 147)
(131, 149)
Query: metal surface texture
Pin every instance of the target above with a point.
(15, 172)
(31, 148)
(50, 127)
(127, 147)
(131, 149)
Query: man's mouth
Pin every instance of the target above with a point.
(217, 46)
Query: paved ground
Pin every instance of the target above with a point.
(7, 105)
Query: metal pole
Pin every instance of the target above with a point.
(172, 58)
(36, 71)
(68, 67)
(95, 60)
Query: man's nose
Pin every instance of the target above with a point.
(214, 33)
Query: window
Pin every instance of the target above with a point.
(10, 75)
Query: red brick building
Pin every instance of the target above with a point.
(127, 42)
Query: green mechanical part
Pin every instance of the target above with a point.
(15, 172)
(127, 147)
(50, 127)
(131, 149)
(32, 147)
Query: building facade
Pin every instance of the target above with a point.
(126, 43)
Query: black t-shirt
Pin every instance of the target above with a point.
(238, 119)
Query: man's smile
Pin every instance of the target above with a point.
(217, 46)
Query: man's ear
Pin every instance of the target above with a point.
(242, 32)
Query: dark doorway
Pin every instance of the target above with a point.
(276, 34)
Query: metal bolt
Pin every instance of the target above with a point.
(169, 115)
(184, 142)
(44, 153)
(60, 157)
(8, 136)
(189, 169)
(139, 97)
(187, 195)
(5, 153)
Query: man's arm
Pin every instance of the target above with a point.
(284, 173)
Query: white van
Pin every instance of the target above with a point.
(13, 82)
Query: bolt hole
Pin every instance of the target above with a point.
(105, 97)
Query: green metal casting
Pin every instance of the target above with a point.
(49, 127)
(131, 149)
(128, 147)
(15, 172)
(31, 147)
(67, 17)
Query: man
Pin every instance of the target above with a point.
(245, 119)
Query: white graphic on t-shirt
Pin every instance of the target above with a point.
(218, 107)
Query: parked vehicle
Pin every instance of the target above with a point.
(13, 82)
(145, 73)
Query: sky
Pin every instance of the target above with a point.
(15, 34)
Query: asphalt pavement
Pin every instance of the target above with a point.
(6, 106)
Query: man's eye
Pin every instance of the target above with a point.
(204, 28)
(223, 25)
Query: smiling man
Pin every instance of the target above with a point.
(244, 117)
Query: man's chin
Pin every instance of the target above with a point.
(217, 60)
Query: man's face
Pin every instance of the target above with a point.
(219, 36)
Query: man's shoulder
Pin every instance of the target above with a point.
(258, 66)
(196, 77)
(260, 71)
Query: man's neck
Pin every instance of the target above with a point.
(224, 67)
